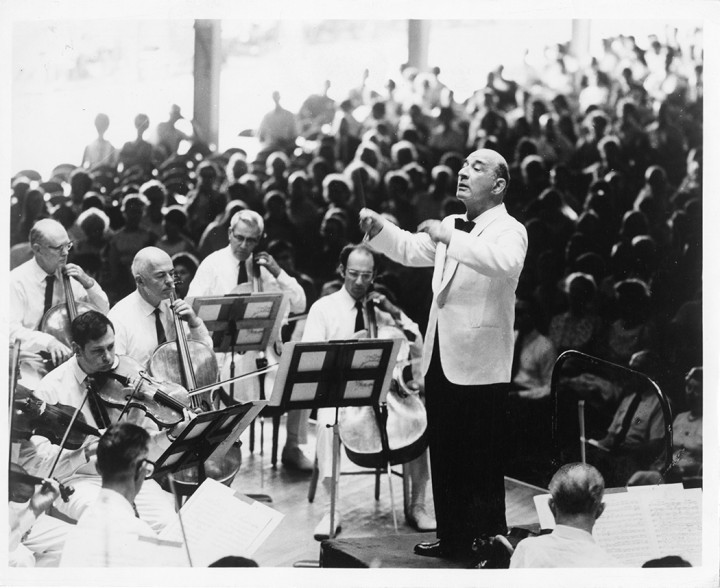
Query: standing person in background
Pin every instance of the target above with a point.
(278, 128)
(100, 151)
(468, 350)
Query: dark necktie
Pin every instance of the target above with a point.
(627, 420)
(463, 225)
(159, 329)
(97, 408)
(242, 273)
(49, 285)
(359, 319)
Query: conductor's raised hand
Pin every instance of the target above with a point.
(437, 231)
(371, 223)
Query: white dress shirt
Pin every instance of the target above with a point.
(565, 547)
(218, 272)
(27, 303)
(106, 535)
(333, 317)
(135, 333)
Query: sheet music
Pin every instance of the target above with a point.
(219, 523)
(641, 525)
(209, 312)
(258, 310)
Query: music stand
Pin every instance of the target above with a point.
(334, 374)
(207, 434)
(239, 323)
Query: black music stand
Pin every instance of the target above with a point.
(208, 433)
(334, 374)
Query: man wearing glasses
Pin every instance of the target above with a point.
(340, 316)
(36, 286)
(93, 341)
(107, 532)
(238, 268)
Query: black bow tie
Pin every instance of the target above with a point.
(463, 225)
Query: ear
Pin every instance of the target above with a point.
(600, 510)
(553, 508)
(499, 186)
(341, 270)
(76, 349)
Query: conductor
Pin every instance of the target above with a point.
(467, 359)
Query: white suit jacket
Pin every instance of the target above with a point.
(474, 282)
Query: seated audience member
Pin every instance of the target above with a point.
(576, 503)
(687, 440)
(174, 241)
(186, 265)
(578, 327)
(536, 355)
(635, 434)
(215, 236)
(109, 530)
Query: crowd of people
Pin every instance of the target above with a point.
(605, 176)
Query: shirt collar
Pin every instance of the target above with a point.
(39, 272)
(348, 300)
(568, 532)
(487, 216)
(77, 371)
(144, 305)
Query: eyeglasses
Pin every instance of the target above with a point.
(354, 275)
(242, 239)
(60, 248)
(149, 467)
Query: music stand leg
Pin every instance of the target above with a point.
(392, 496)
(335, 467)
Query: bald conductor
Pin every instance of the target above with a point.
(477, 259)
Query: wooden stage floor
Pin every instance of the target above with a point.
(362, 515)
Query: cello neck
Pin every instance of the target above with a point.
(186, 368)
(69, 296)
(370, 318)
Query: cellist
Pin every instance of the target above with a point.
(143, 320)
(237, 267)
(340, 316)
(36, 286)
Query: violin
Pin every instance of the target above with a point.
(32, 416)
(128, 386)
(186, 362)
(21, 485)
(57, 320)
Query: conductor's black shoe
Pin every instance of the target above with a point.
(433, 549)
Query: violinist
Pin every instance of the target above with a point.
(143, 320)
(236, 268)
(93, 341)
(35, 538)
(106, 533)
(339, 316)
(36, 286)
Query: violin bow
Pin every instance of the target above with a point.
(68, 429)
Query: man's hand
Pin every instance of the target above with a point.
(264, 259)
(438, 232)
(371, 223)
(186, 313)
(75, 271)
(59, 352)
(381, 301)
(43, 498)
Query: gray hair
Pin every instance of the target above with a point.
(577, 488)
(249, 217)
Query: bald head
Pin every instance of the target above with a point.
(148, 258)
(483, 180)
(577, 489)
(154, 274)
(46, 230)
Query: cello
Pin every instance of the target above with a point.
(57, 320)
(403, 434)
(173, 361)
